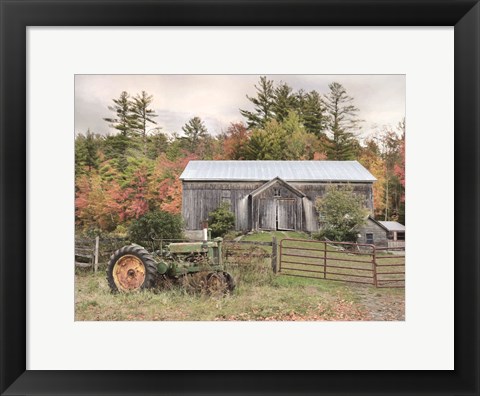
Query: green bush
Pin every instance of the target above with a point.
(221, 220)
(342, 213)
(157, 224)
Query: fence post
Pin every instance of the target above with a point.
(274, 254)
(374, 264)
(97, 243)
(325, 260)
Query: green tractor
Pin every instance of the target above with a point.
(133, 268)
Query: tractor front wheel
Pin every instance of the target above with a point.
(131, 268)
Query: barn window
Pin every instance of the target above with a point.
(276, 192)
(369, 238)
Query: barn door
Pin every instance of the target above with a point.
(286, 214)
(267, 214)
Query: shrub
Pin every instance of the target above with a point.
(342, 213)
(221, 220)
(157, 224)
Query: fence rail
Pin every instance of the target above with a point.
(336, 261)
(92, 252)
(252, 250)
(342, 261)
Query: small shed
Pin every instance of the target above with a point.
(395, 230)
(373, 233)
(267, 195)
(382, 233)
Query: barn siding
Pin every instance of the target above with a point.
(200, 198)
(379, 233)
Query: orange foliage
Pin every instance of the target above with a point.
(376, 166)
(399, 169)
(319, 156)
(235, 141)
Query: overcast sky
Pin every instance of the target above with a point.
(216, 99)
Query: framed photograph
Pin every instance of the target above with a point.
(121, 120)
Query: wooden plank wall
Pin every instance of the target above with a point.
(200, 198)
(379, 234)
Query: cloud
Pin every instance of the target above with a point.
(217, 98)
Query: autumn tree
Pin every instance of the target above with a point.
(165, 187)
(370, 157)
(399, 168)
(399, 171)
(263, 104)
(389, 144)
(141, 115)
(342, 123)
(235, 141)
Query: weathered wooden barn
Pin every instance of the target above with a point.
(267, 195)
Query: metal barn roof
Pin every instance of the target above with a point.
(393, 225)
(347, 171)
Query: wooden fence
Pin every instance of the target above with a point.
(246, 249)
(91, 252)
(342, 261)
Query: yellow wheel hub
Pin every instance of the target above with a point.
(129, 273)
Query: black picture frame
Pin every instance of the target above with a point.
(17, 15)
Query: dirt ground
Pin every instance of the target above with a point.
(381, 304)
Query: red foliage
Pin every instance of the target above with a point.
(236, 138)
(319, 156)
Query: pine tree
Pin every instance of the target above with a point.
(298, 143)
(194, 130)
(342, 123)
(266, 143)
(141, 115)
(157, 143)
(124, 123)
(312, 113)
(86, 152)
(284, 101)
(263, 104)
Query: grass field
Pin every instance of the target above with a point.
(259, 295)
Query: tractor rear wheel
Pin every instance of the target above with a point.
(131, 268)
(230, 281)
(216, 283)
